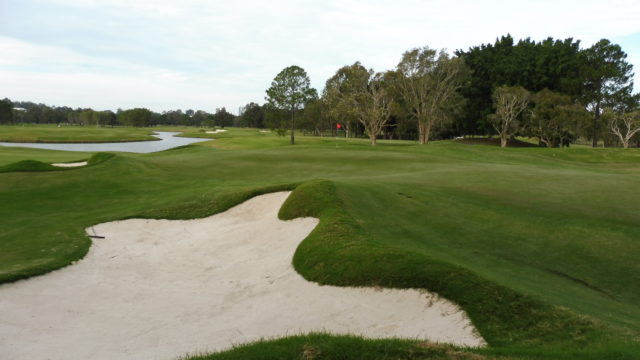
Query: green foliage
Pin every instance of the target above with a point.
(6, 111)
(315, 117)
(552, 64)
(91, 117)
(290, 90)
(223, 118)
(343, 89)
(138, 117)
(556, 120)
(252, 115)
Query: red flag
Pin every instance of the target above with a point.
(338, 126)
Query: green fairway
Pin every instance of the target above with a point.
(539, 246)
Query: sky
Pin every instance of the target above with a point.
(208, 54)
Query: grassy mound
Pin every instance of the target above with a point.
(38, 166)
(325, 346)
(339, 252)
(29, 166)
(495, 142)
(99, 157)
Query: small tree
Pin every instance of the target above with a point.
(290, 90)
(625, 126)
(509, 103)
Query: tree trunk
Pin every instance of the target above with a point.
(427, 132)
(373, 139)
(503, 140)
(293, 119)
(421, 131)
(596, 117)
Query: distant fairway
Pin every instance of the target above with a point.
(555, 228)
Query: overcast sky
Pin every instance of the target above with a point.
(201, 55)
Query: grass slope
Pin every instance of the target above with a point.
(35, 165)
(539, 246)
(72, 134)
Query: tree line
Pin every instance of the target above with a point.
(25, 112)
(551, 90)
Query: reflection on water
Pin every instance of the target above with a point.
(167, 141)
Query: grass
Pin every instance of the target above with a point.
(72, 134)
(39, 166)
(539, 246)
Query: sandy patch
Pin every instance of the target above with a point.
(158, 289)
(75, 164)
(218, 131)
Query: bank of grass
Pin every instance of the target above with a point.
(73, 134)
(39, 166)
(539, 246)
(326, 346)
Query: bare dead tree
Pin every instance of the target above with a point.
(509, 102)
(625, 126)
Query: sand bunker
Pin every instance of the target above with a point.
(75, 164)
(216, 131)
(158, 289)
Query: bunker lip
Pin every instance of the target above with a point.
(162, 289)
(73, 164)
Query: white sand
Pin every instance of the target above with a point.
(216, 131)
(75, 164)
(158, 289)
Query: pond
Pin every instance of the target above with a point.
(167, 141)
